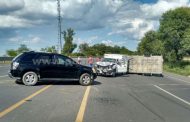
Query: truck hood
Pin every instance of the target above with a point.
(104, 63)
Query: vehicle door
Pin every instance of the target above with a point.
(44, 63)
(66, 67)
(122, 66)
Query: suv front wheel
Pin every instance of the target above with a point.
(30, 78)
(85, 79)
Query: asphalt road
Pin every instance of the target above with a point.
(127, 98)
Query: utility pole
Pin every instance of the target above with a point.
(59, 44)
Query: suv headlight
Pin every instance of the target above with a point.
(15, 65)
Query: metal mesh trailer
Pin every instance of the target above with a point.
(146, 65)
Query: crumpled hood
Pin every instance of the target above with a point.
(104, 63)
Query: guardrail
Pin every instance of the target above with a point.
(6, 59)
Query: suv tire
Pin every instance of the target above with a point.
(30, 78)
(85, 79)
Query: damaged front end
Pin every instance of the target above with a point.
(105, 70)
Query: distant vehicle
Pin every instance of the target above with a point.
(112, 64)
(30, 67)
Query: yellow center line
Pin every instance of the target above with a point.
(16, 105)
(80, 114)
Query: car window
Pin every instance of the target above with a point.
(62, 60)
(43, 59)
(44, 56)
(28, 57)
(108, 60)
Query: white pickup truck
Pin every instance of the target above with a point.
(112, 64)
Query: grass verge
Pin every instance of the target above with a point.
(181, 68)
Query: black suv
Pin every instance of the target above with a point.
(32, 66)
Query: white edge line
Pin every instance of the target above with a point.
(172, 95)
(172, 84)
(177, 79)
(4, 76)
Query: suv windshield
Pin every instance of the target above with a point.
(17, 57)
(108, 60)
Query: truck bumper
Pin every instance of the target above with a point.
(108, 72)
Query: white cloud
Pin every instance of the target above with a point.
(80, 14)
(108, 42)
(133, 20)
(156, 10)
(35, 40)
(30, 39)
(10, 5)
(125, 17)
(38, 8)
(7, 21)
(15, 39)
(113, 43)
(94, 40)
(90, 40)
(26, 13)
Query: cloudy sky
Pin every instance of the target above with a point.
(113, 22)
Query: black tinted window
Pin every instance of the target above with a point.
(28, 57)
(62, 60)
(44, 57)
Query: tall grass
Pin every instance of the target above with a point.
(182, 68)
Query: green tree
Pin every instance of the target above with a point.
(11, 53)
(173, 25)
(51, 49)
(185, 43)
(68, 47)
(83, 47)
(22, 48)
(150, 44)
(124, 50)
(101, 49)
